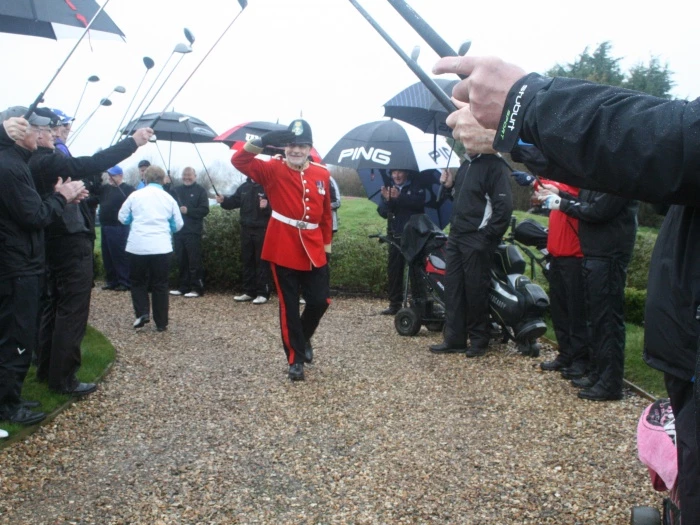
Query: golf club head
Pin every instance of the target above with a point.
(148, 62)
(415, 53)
(93, 78)
(189, 36)
(243, 3)
(120, 89)
(105, 102)
(182, 49)
(464, 48)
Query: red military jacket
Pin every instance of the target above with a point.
(300, 195)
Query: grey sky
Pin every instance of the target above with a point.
(319, 58)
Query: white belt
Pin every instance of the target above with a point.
(302, 225)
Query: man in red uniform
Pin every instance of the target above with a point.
(298, 236)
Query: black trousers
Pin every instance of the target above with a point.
(256, 272)
(568, 310)
(467, 282)
(65, 310)
(396, 265)
(150, 272)
(188, 251)
(682, 401)
(19, 309)
(114, 256)
(604, 289)
(315, 288)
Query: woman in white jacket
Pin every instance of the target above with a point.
(153, 215)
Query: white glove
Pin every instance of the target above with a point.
(551, 202)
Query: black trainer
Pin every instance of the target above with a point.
(444, 348)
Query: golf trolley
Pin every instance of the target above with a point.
(516, 304)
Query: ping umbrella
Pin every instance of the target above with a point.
(373, 149)
(43, 18)
(386, 144)
(237, 136)
(417, 106)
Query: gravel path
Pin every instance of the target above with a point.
(199, 425)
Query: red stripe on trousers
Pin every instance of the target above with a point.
(283, 315)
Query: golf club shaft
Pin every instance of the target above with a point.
(187, 125)
(75, 113)
(165, 81)
(116, 133)
(427, 33)
(427, 81)
(40, 97)
(82, 126)
(243, 4)
(133, 115)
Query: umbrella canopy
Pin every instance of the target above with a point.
(418, 107)
(174, 127)
(237, 136)
(41, 17)
(385, 144)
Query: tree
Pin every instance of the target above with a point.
(601, 67)
(654, 79)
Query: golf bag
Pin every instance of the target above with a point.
(516, 304)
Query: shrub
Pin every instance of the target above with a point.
(634, 305)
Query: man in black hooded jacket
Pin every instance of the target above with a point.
(634, 145)
(69, 261)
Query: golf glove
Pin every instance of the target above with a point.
(522, 178)
(275, 138)
(552, 202)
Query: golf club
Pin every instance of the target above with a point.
(186, 120)
(426, 32)
(427, 81)
(179, 48)
(40, 97)
(92, 78)
(148, 62)
(117, 89)
(103, 102)
(243, 4)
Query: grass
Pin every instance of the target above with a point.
(97, 354)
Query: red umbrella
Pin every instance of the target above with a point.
(237, 136)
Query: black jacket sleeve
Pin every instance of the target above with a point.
(625, 142)
(603, 208)
(233, 201)
(25, 206)
(49, 167)
(499, 191)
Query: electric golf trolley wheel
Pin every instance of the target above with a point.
(645, 516)
(407, 322)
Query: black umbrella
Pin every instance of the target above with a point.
(174, 127)
(37, 17)
(418, 107)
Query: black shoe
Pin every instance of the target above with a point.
(392, 310)
(22, 416)
(553, 366)
(583, 382)
(109, 286)
(29, 404)
(161, 328)
(142, 321)
(308, 352)
(444, 348)
(121, 288)
(598, 393)
(82, 389)
(573, 372)
(475, 352)
(296, 372)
